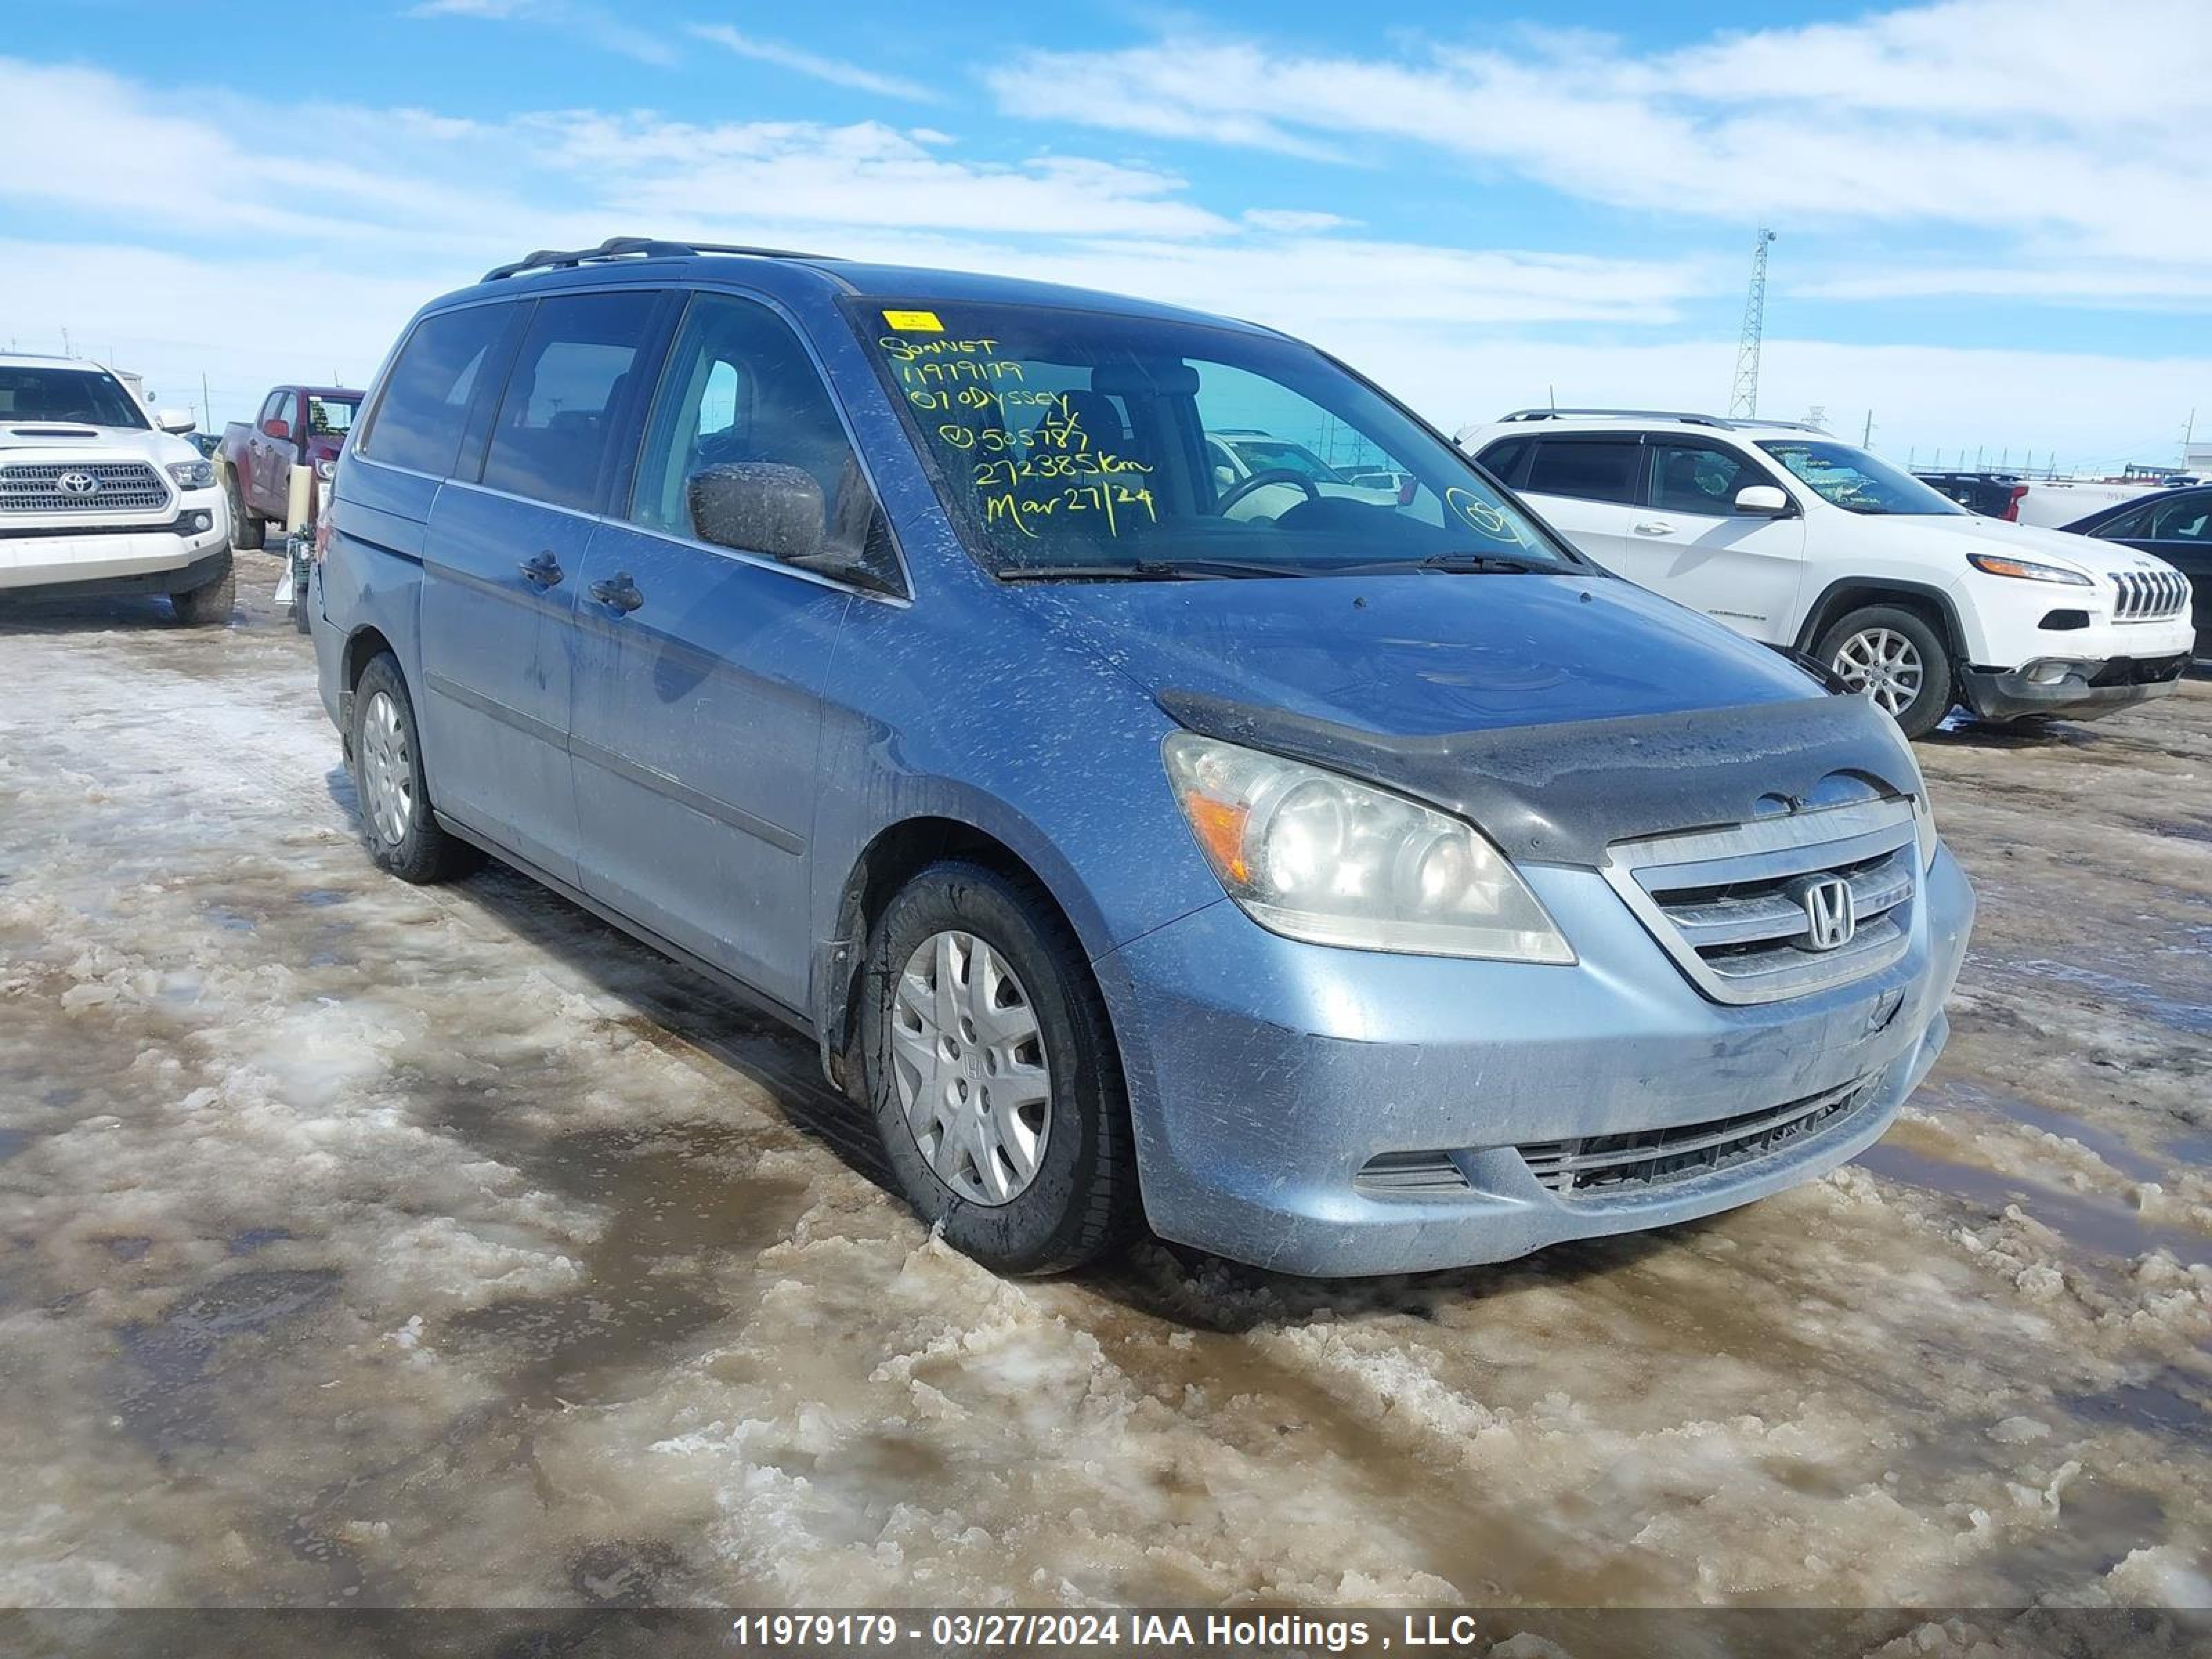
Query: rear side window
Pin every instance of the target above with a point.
(425, 404)
(2134, 522)
(1503, 458)
(555, 429)
(1591, 469)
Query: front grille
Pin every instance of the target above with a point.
(1740, 910)
(2150, 595)
(2141, 670)
(117, 487)
(1610, 1164)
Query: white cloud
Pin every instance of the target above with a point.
(835, 71)
(1292, 221)
(234, 259)
(2095, 409)
(866, 173)
(2018, 117)
(592, 24)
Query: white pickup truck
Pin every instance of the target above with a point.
(98, 498)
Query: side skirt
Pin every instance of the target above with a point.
(756, 1001)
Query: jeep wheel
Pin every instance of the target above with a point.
(210, 604)
(403, 834)
(1896, 658)
(992, 1073)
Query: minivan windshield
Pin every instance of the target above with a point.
(1858, 482)
(85, 397)
(1073, 445)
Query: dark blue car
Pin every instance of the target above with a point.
(1350, 882)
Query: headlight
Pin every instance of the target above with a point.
(326, 468)
(2027, 569)
(1314, 856)
(192, 475)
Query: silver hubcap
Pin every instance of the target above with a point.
(387, 777)
(968, 1063)
(1884, 665)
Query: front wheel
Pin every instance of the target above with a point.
(993, 1075)
(1898, 659)
(210, 604)
(403, 835)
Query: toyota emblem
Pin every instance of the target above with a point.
(77, 483)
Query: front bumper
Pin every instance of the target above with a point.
(45, 560)
(2076, 689)
(1264, 1075)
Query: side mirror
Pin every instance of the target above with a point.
(758, 506)
(281, 430)
(1763, 501)
(1222, 477)
(174, 421)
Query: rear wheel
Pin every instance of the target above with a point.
(1896, 658)
(302, 571)
(210, 604)
(993, 1075)
(403, 835)
(245, 530)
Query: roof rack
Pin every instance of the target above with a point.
(1636, 414)
(1684, 416)
(616, 247)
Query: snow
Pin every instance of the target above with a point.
(389, 1245)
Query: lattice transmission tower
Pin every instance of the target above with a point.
(1743, 401)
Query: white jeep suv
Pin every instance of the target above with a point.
(95, 497)
(1809, 543)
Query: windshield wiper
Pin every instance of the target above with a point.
(1462, 564)
(1145, 570)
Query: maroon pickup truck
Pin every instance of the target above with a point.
(298, 426)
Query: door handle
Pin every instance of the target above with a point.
(621, 592)
(1654, 527)
(545, 569)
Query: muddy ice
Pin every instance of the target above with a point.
(363, 1244)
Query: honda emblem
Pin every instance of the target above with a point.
(1831, 916)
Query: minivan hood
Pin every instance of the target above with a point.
(1418, 654)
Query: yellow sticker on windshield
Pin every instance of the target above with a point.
(915, 322)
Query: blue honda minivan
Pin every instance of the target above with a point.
(1344, 877)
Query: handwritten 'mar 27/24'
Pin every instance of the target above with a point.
(1022, 478)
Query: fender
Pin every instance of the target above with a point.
(1833, 599)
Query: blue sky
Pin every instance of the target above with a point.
(1990, 214)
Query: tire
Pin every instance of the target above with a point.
(402, 834)
(1080, 1198)
(1896, 653)
(210, 604)
(303, 621)
(245, 530)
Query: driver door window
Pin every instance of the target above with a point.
(739, 389)
(2182, 521)
(1698, 478)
